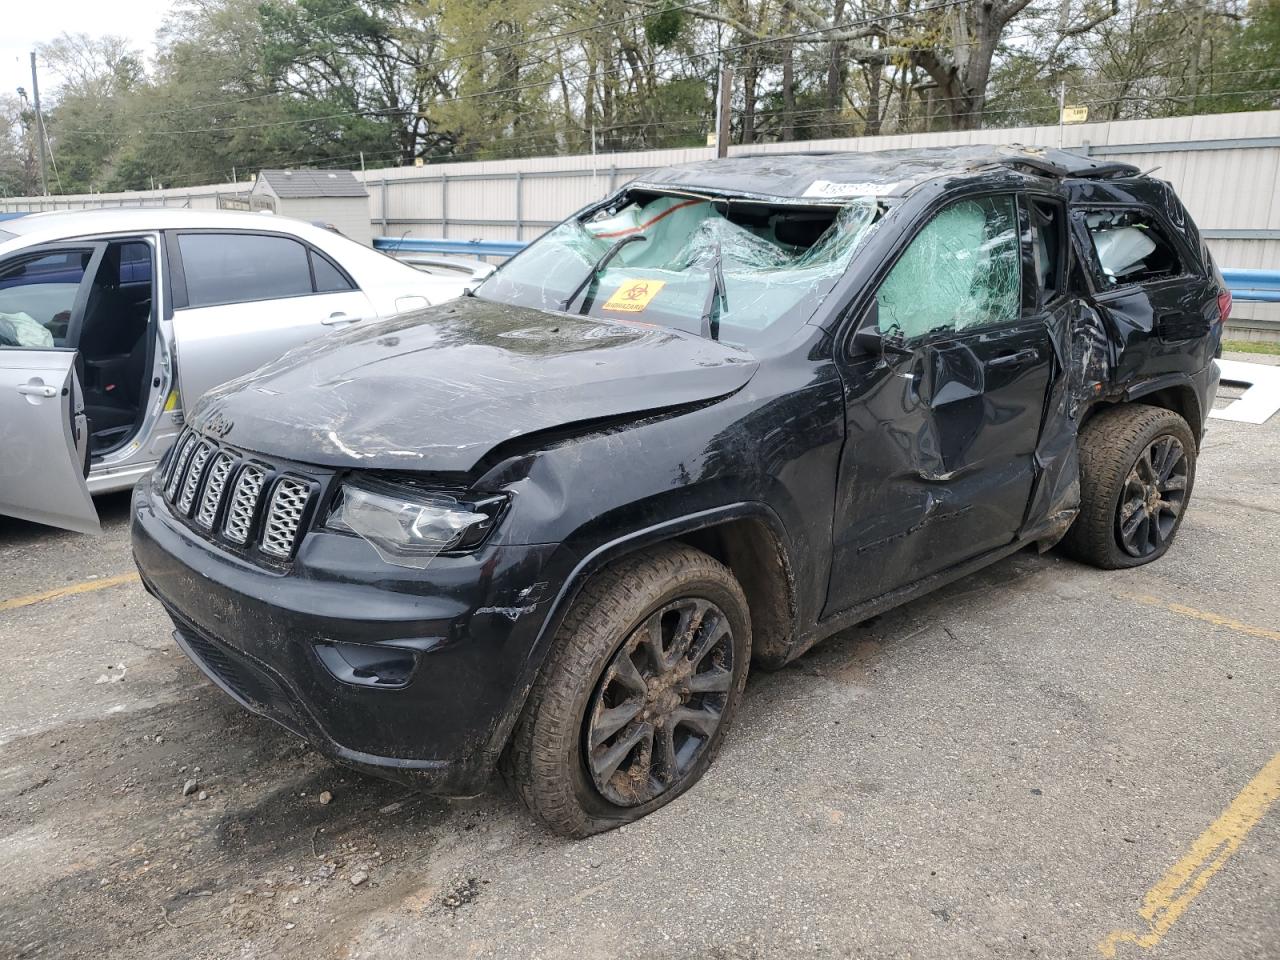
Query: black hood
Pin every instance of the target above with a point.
(438, 389)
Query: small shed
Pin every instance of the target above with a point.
(329, 197)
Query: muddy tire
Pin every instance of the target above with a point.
(638, 691)
(1137, 467)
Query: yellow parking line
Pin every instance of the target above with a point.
(74, 588)
(1214, 618)
(1169, 899)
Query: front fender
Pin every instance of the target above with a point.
(600, 556)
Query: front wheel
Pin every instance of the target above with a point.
(639, 689)
(1137, 467)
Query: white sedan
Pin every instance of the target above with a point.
(113, 321)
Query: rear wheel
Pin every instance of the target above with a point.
(1137, 467)
(637, 694)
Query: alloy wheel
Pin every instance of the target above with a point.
(660, 701)
(1152, 498)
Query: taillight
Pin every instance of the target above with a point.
(1224, 305)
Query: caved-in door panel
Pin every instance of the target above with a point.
(940, 458)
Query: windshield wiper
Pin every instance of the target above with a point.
(590, 279)
(718, 297)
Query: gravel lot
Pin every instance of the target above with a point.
(1017, 766)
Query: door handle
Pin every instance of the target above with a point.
(1017, 359)
(38, 390)
(338, 317)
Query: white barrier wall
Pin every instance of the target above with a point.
(1226, 168)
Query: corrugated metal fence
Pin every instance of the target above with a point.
(1226, 167)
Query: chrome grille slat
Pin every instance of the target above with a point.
(194, 472)
(204, 476)
(179, 465)
(288, 503)
(244, 501)
(212, 497)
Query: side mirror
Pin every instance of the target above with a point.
(869, 341)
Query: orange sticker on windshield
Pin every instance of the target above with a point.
(634, 295)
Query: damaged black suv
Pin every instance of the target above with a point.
(730, 410)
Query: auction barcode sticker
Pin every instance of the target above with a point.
(834, 191)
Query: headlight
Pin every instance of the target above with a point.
(409, 528)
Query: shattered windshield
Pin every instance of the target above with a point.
(778, 262)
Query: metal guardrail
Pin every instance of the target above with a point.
(466, 248)
(1258, 286)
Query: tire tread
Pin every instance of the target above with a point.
(1108, 445)
(534, 763)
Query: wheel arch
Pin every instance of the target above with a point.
(1176, 393)
(747, 537)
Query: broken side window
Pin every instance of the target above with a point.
(962, 271)
(1046, 244)
(779, 261)
(1128, 247)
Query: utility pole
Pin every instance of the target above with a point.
(1062, 106)
(722, 112)
(35, 96)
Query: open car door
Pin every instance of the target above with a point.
(45, 439)
(44, 435)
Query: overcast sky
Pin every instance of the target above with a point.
(29, 22)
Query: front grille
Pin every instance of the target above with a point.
(212, 497)
(244, 504)
(246, 683)
(204, 476)
(287, 507)
(194, 472)
(181, 456)
(219, 664)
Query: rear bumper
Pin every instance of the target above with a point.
(258, 634)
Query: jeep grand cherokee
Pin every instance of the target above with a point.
(731, 409)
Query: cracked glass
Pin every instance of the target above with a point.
(963, 270)
(779, 262)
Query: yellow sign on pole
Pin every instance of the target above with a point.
(1075, 114)
(711, 139)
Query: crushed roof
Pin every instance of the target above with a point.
(883, 172)
(288, 184)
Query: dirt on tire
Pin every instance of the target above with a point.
(1110, 443)
(543, 764)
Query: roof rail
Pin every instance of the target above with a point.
(1046, 167)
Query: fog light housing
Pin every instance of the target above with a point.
(367, 665)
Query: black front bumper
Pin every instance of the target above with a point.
(471, 623)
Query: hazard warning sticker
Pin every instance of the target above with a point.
(634, 295)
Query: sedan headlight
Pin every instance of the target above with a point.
(409, 528)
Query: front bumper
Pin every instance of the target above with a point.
(471, 624)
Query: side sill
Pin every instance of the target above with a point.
(887, 601)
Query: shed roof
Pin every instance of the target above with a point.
(288, 184)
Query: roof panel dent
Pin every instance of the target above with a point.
(836, 176)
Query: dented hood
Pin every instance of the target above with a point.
(438, 389)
